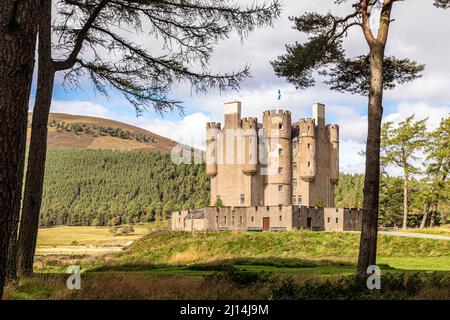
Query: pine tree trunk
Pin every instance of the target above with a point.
(425, 215)
(405, 199)
(38, 148)
(369, 230)
(11, 262)
(18, 27)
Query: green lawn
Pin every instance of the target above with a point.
(323, 248)
(237, 265)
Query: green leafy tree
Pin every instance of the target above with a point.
(437, 170)
(400, 146)
(368, 75)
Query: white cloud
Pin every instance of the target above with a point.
(188, 130)
(349, 158)
(421, 110)
(79, 108)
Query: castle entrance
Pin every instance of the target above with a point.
(266, 224)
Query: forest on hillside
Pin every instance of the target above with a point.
(91, 187)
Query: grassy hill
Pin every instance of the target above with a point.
(290, 249)
(83, 132)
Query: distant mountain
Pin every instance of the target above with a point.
(83, 132)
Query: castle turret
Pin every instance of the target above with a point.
(333, 131)
(307, 145)
(278, 179)
(212, 135)
(250, 148)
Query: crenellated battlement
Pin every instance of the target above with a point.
(308, 121)
(213, 125)
(249, 123)
(280, 113)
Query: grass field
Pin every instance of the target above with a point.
(76, 240)
(233, 265)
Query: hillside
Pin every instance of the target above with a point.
(83, 132)
(85, 187)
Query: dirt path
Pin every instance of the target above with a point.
(415, 235)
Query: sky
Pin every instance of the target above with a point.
(419, 32)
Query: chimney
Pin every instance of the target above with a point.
(232, 111)
(319, 114)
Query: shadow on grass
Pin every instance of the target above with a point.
(264, 264)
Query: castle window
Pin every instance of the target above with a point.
(309, 164)
(217, 219)
(253, 219)
(309, 145)
(280, 126)
(337, 220)
(242, 199)
(299, 200)
(281, 218)
(280, 170)
(280, 188)
(294, 166)
(225, 219)
(280, 151)
(329, 219)
(294, 183)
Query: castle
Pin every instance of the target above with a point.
(276, 175)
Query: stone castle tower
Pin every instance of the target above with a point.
(274, 163)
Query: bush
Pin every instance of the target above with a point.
(393, 286)
(128, 229)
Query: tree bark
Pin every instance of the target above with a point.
(405, 198)
(425, 215)
(18, 28)
(38, 147)
(11, 260)
(369, 230)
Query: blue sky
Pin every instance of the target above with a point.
(416, 33)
